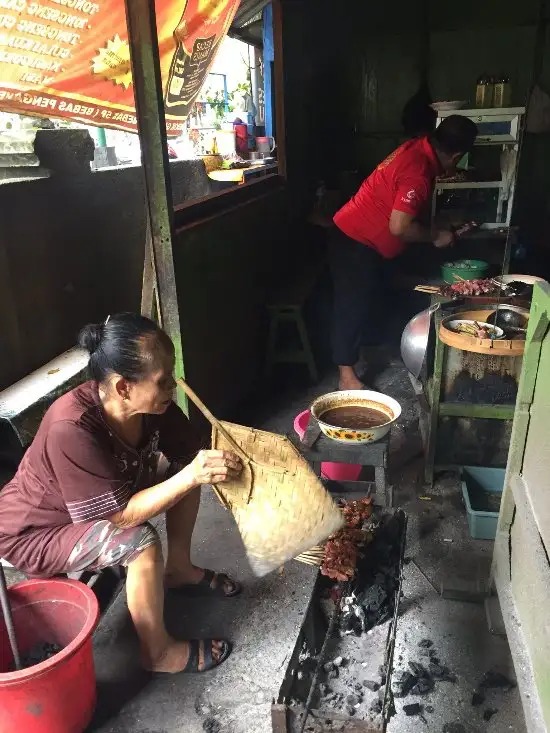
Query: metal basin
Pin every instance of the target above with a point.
(414, 340)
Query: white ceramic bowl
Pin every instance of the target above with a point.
(453, 325)
(364, 398)
(527, 279)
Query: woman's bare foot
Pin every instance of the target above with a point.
(349, 379)
(175, 657)
(176, 577)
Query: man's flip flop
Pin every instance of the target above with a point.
(211, 584)
(200, 657)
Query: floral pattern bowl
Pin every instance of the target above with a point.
(351, 398)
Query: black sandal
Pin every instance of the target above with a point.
(196, 646)
(201, 648)
(211, 584)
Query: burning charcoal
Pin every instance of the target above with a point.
(404, 683)
(488, 714)
(425, 643)
(478, 698)
(353, 700)
(413, 709)
(423, 686)
(496, 680)
(371, 685)
(418, 670)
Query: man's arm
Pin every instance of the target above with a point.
(406, 227)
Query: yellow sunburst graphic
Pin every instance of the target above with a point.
(113, 62)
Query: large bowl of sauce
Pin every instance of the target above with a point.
(355, 416)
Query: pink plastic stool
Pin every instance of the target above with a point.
(332, 471)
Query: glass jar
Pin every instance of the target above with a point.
(502, 92)
(484, 92)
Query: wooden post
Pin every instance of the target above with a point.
(144, 53)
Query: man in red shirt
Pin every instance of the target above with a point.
(378, 224)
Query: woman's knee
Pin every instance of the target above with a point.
(145, 542)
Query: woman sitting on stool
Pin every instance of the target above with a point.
(90, 482)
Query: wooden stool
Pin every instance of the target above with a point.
(317, 448)
(287, 307)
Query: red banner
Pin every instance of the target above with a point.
(71, 58)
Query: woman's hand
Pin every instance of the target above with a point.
(213, 467)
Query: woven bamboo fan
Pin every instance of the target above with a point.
(280, 506)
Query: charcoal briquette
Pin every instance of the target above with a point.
(404, 683)
(488, 714)
(418, 669)
(371, 685)
(478, 698)
(412, 709)
(423, 686)
(376, 707)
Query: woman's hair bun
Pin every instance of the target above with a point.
(89, 337)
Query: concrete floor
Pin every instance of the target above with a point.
(264, 621)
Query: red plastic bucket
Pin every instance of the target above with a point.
(332, 471)
(59, 694)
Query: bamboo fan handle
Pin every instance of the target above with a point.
(211, 419)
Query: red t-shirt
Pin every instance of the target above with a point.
(76, 472)
(404, 181)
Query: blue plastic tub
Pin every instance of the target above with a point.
(482, 489)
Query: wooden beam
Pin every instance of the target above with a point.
(278, 68)
(144, 53)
